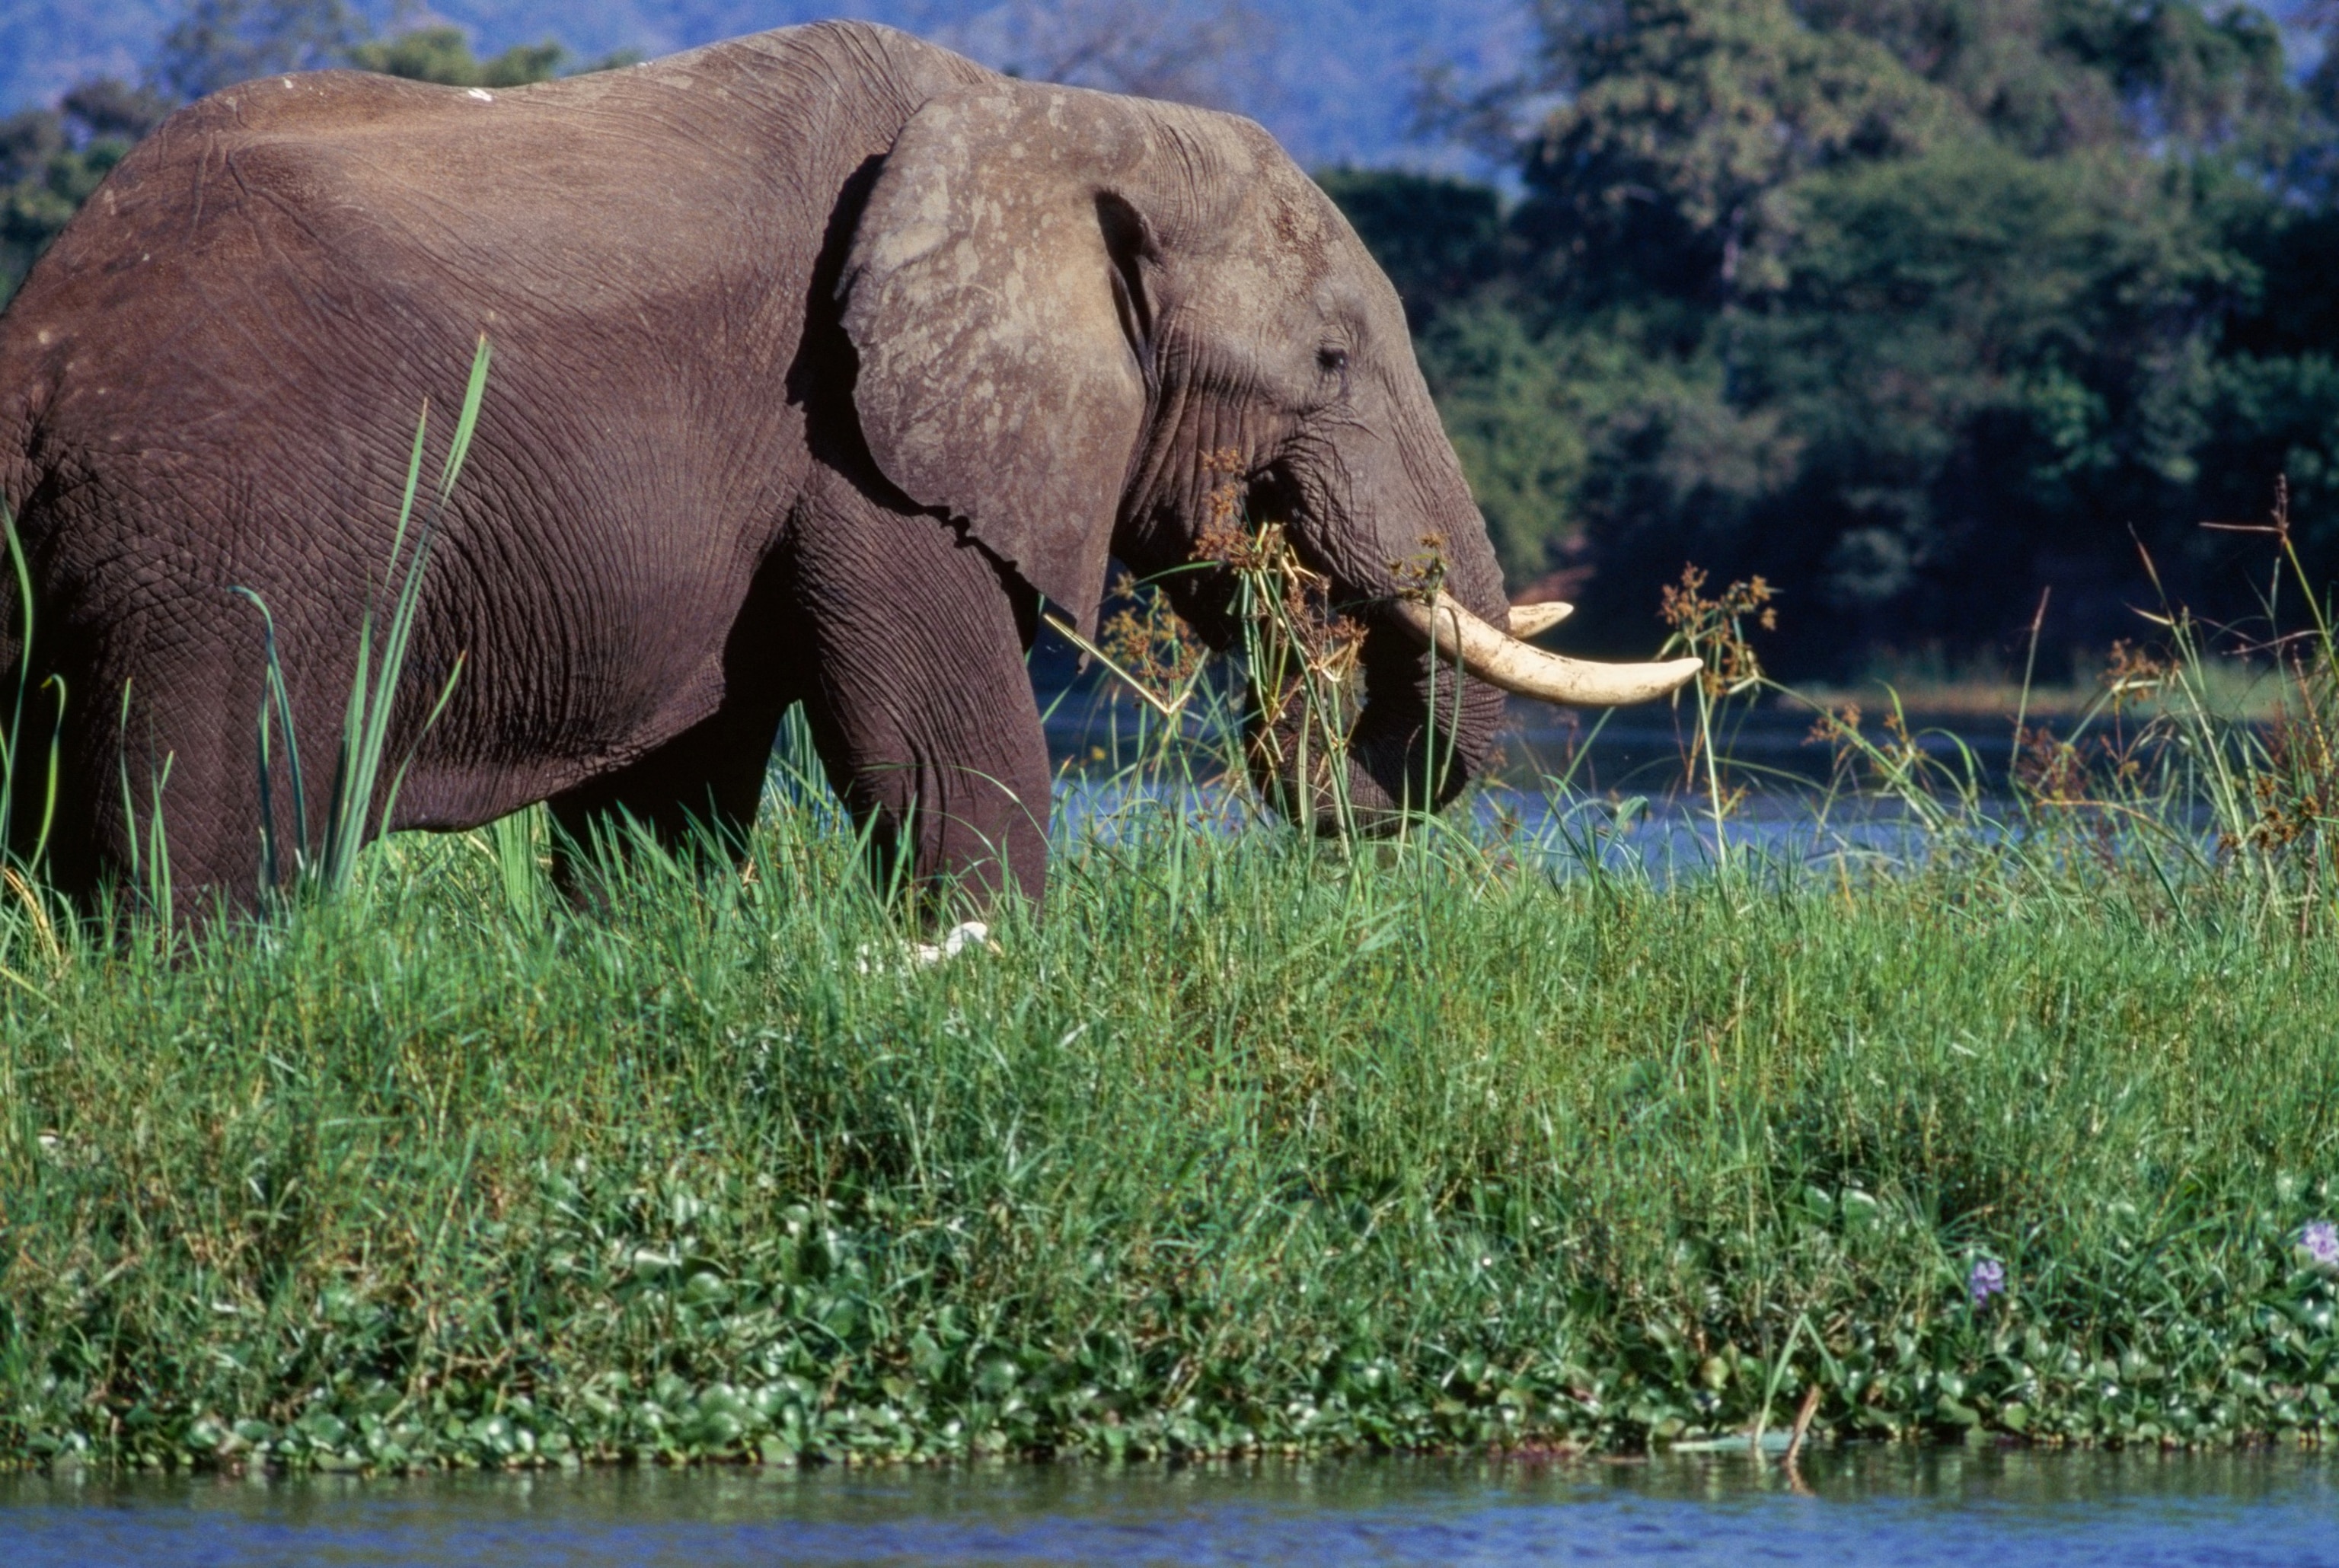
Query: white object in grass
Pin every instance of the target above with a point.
(955, 940)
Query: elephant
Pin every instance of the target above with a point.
(823, 359)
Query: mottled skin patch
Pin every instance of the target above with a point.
(818, 355)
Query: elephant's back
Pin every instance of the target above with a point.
(287, 212)
(270, 223)
(245, 317)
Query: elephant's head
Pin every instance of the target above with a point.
(1074, 310)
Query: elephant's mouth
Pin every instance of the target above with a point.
(1499, 655)
(1349, 726)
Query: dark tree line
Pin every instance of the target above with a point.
(1914, 306)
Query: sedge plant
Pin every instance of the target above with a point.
(359, 801)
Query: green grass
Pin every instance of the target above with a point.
(1247, 1143)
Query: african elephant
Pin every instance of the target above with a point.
(821, 356)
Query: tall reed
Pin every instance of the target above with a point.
(22, 771)
(362, 749)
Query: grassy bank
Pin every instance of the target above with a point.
(1245, 1144)
(1487, 1137)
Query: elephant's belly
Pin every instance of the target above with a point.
(543, 715)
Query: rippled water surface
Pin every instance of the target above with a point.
(1613, 786)
(1983, 1508)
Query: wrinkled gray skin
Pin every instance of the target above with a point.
(819, 355)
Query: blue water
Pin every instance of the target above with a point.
(1630, 751)
(1978, 1509)
(1619, 792)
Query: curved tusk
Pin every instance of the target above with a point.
(1533, 620)
(1504, 661)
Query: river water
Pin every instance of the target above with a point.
(1571, 794)
(1627, 789)
(1977, 1508)
(1634, 750)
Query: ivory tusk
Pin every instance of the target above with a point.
(1502, 660)
(1533, 620)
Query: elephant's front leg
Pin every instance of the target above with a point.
(919, 698)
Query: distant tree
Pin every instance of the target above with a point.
(1685, 119)
(220, 42)
(1915, 306)
(1438, 238)
(1201, 52)
(1527, 413)
(443, 55)
(1991, 369)
(105, 108)
(2053, 76)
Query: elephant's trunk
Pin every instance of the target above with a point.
(1410, 749)
(1441, 645)
(1425, 728)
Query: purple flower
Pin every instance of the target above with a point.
(1987, 1279)
(2319, 1240)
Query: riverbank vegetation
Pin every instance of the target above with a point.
(1921, 306)
(1498, 1136)
(1247, 1144)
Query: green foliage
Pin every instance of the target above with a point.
(1528, 413)
(1966, 343)
(1247, 1145)
(219, 43)
(1437, 239)
(443, 55)
(2053, 76)
(1518, 417)
(1686, 118)
(1918, 306)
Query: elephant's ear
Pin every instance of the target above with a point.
(997, 295)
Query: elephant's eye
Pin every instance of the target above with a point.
(1332, 362)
